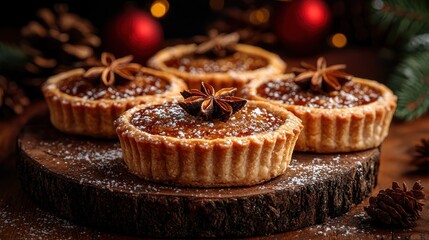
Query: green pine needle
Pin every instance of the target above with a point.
(401, 19)
(418, 44)
(410, 82)
(12, 59)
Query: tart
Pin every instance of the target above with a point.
(220, 62)
(340, 113)
(87, 102)
(208, 140)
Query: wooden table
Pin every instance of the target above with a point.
(20, 218)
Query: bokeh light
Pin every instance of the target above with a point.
(259, 16)
(159, 8)
(338, 40)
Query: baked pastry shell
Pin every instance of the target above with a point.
(229, 161)
(275, 65)
(75, 115)
(342, 129)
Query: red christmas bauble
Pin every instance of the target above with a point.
(301, 25)
(134, 32)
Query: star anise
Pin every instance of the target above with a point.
(321, 78)
(421, 154)
(111, 67)
(210, 104)
(218, 45)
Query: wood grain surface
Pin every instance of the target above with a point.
(85, 180)
(21, 218)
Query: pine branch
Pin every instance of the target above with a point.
(418, 44)
(401, 19)
(12, 59)
(410, 82)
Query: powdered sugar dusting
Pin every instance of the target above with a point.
(237, 62)
(35, 223)
(92, 164)
(353, 225)
(338, 229)
(352, 94)
(106, 169)
(145, 84)
(100, 164)
(170, 119)
(301, 173)
(74, 153)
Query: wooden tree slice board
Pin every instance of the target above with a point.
(84, 180)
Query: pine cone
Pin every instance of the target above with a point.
(58, 41)
(397, 207)
(252, 23)
(12, 98)
(421, 155)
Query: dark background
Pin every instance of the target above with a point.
(187, 18)
(184, 19)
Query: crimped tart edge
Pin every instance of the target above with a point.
(218, 80)
(95, 118)
(343, 129)
(231, 161)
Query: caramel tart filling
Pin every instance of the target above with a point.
(287, 92)
(171, 120)
(146, 84)
(236, 62)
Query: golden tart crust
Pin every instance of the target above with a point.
(209, 161)
(94, 117)
(343, 129)
(237, 79)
